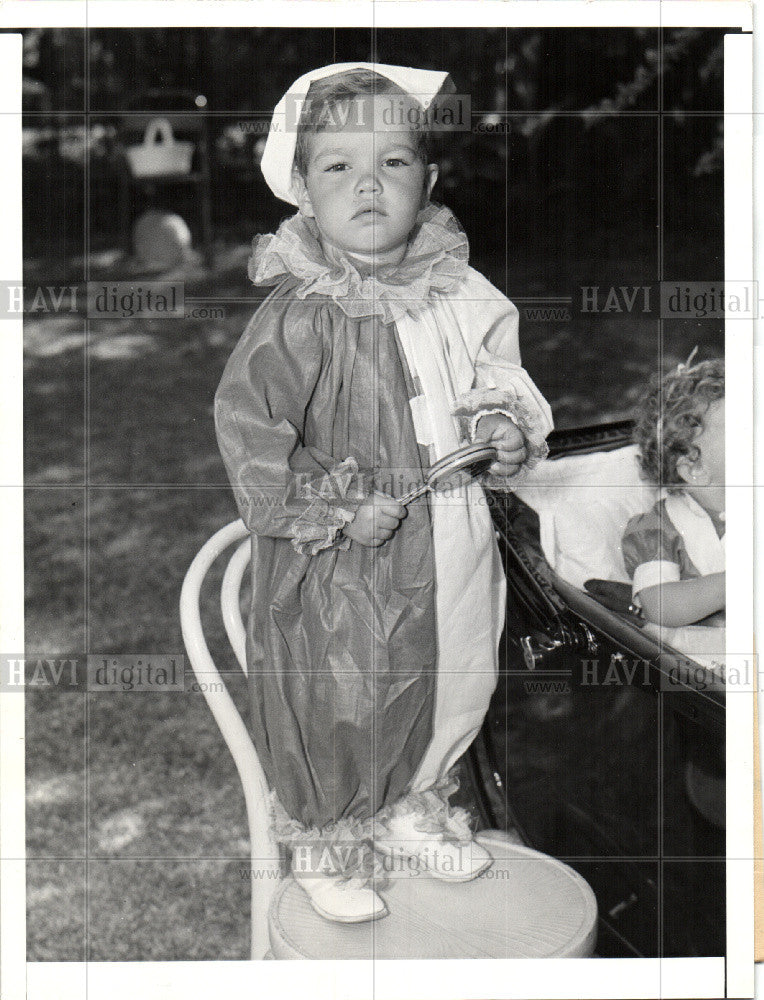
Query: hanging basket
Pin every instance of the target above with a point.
(160, 152)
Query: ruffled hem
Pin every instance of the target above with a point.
(319, 525)
(477, 403)
(345, 848)
(436, 261)
(430, 813)
(342, 849)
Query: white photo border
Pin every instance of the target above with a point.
(606, 978)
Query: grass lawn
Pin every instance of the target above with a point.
(135, 817)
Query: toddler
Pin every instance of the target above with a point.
(675, 552)
(374, 628)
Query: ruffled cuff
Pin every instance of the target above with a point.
(335, 498)
(430, 813)
(342, 848)
(477, 403)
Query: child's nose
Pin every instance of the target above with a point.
(369, 183)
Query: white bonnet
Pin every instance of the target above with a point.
(278, 155)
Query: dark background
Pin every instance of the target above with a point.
(610, 174)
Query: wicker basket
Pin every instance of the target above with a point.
(160, 152)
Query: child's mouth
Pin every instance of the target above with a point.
(368, 211)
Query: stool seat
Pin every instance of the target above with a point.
(527, 905)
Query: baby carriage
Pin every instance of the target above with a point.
(604, 743)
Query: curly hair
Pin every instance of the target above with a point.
(670, 416)
(326, 96)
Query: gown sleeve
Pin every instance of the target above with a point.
(283, 487)
(501, 384)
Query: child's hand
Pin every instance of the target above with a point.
(375, 520)
(507, 439)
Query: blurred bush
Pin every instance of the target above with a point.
(583, 112)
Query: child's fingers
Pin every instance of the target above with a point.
(516, 456)
(389, 506)
(496, 423)
(508, 463)
(381, 535)
(384, 522)
(501, 469)
(509, 436)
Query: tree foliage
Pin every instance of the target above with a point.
(579, 115)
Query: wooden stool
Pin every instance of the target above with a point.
(527, 905)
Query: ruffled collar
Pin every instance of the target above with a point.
(436, 260)
(698, 513)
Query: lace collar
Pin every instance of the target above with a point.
(436, 260)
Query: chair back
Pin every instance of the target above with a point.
(264, 852)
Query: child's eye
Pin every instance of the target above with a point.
(335, 168)
(394, 161)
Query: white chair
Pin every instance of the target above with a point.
(527, 905)
(264, 852)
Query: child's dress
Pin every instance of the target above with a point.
(370, 669)
(678, 540)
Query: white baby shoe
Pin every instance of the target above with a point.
(408, 848)
(344, 900)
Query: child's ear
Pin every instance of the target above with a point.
(691, 471)
(301, 193)
(430, 176)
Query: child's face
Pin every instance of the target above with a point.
(364, 189)
(705, 476)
